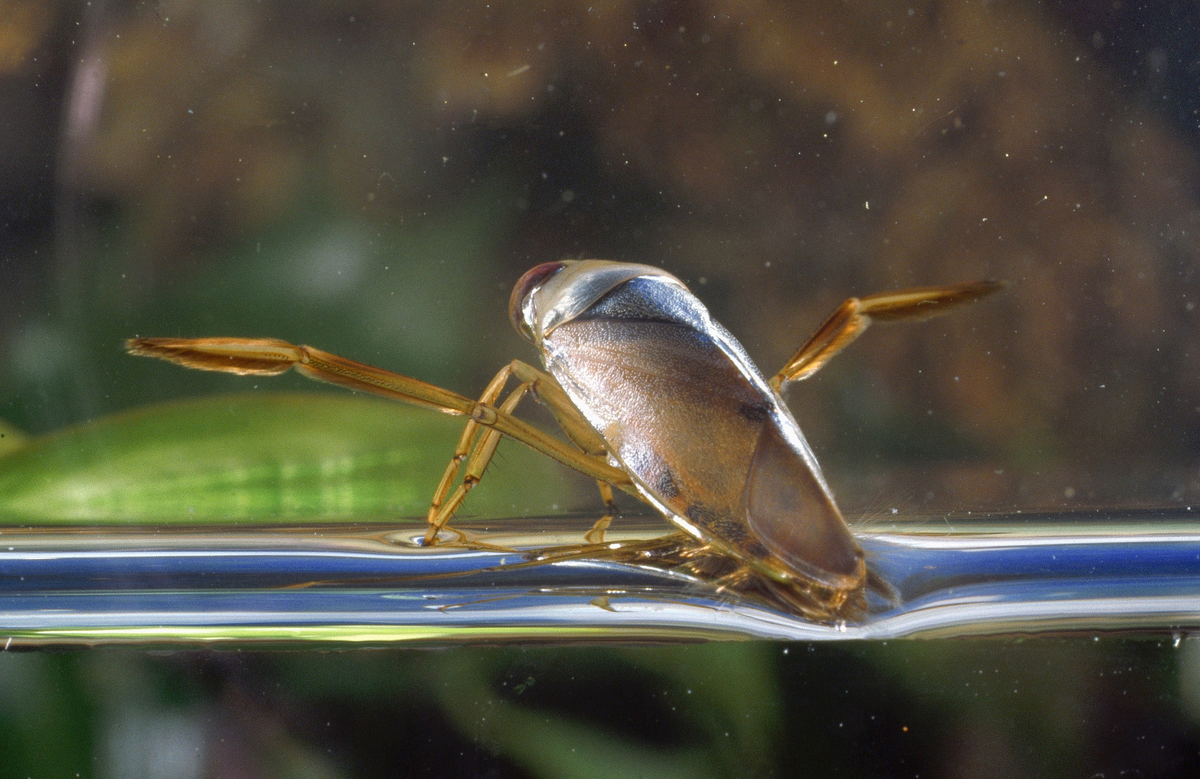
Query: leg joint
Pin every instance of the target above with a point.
(483, 414)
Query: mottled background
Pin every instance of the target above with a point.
(372, 177)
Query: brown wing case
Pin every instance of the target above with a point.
(701, 438)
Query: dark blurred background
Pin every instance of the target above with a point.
(372, 177)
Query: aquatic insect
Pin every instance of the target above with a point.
(657, 399)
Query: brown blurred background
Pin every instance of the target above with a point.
(371, 177)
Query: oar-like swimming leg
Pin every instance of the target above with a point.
(269, 356)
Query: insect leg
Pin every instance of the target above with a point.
(466, 443)
(547, 390)
(269, 356)
(596, 534)
(852, 317)
(480, 458)
(481, 449)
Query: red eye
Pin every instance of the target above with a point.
(527, 283)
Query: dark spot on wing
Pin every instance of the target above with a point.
(755, 412)
(717, 524)
(665, 485)
(701, 514)
(757, 550)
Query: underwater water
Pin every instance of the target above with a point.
(280, 649)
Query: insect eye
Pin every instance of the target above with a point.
(532, 279)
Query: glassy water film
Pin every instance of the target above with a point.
(378, 585)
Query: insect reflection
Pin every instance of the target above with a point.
(656, 399)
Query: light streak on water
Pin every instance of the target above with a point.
(366, 584)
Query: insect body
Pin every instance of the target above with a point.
(688, 416)
(657, 399)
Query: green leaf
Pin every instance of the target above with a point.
(11, 438)
(263, 457)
